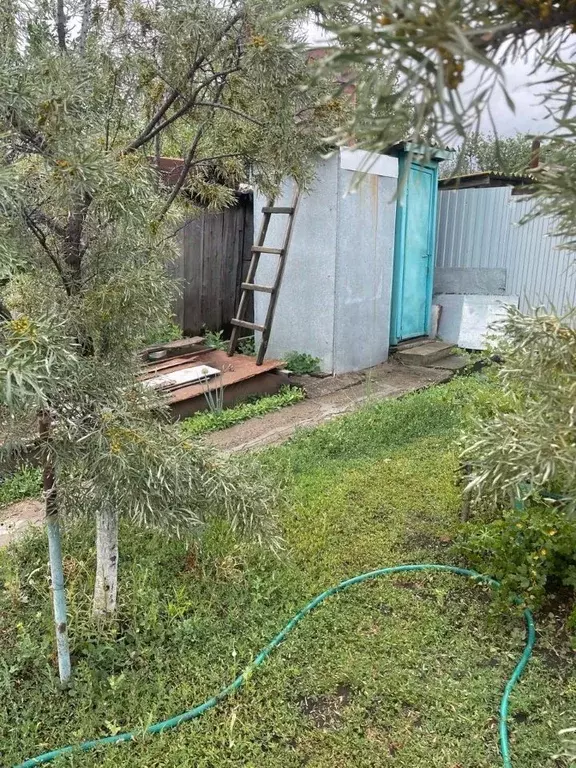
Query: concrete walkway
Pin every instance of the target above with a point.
(326, 399)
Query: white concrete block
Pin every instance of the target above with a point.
(466, 319)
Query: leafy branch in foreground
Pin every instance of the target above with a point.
(530, 447)
(91, 97)
(521, 459)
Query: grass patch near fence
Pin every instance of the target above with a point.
(211, 421)
(405, 672)
(23, 484)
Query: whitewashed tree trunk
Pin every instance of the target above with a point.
(55, 555)
(106, 586)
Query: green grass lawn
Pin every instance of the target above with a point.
(406, 673)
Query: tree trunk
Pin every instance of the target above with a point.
(106, 586)
(55, 556)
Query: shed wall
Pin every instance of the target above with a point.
(336, 292)
(364, 266)
(479, 233)
(304, 319)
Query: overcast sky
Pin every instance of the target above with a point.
(529, 115)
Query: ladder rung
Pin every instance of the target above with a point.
(246, 324)
(256, 287)
(265, 249)
(275, 209)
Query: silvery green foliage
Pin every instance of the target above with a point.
(88, 99)
(445, 65)
(568, 736)
(529, 445)
(431, 50)
(489, 152)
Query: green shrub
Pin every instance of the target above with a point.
(214, 339)
(529, 551)
(20, 485)
(247, 346)
(525, 436)
(162, 334)
(211, 421)
(301, 363)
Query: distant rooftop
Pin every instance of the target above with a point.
(486, 179)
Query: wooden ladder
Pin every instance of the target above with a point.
(257, 250)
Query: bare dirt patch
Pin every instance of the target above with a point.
(15, 519)
(326, 711)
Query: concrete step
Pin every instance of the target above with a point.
(451, 363)
(424, 354)
(411, 343)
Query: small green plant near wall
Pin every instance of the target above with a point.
(214, 339)
(211, 421)
(215, 396)
(247, 346)
(164, 333)
(302, 364)
(20, 485)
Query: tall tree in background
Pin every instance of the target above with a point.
(488, 152)
(90, 95)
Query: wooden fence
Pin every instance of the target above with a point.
(215, 253)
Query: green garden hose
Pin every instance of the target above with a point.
(192, 714)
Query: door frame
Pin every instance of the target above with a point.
(405, 164)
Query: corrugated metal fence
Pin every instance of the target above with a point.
(478, 228)
(215, 253)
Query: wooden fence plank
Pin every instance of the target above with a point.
(213, 261)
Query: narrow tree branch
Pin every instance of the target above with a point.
(61, 24)
(491, 39)
(145, 134)
(50, 222)
(109, 109)
(218, 157)
(118, 123)
(41, 238)
(192, 165)
(72, 250)
(85, 28)
(188, 105)
(145, 139)
(215, 105)
(28, 134)
(188, 162)
(157, 150)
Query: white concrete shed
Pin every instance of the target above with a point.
(335, 298)
(360, 267)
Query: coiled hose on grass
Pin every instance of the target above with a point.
(199, 710)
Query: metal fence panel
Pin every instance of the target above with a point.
(480, 228)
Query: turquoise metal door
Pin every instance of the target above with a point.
(414, 253)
